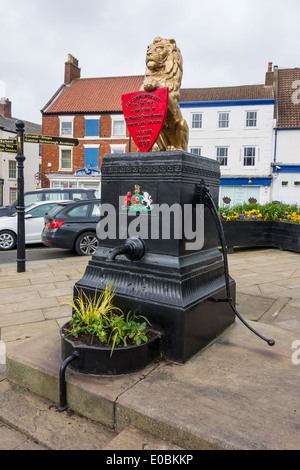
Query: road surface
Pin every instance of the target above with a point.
(34, 253)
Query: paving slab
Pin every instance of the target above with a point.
(10, 439)
(32, 421)
(272, 314)
(237, 394)
(27, 330)
(253, 307)
(132, 438)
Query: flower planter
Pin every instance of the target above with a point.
(273, 234)
(99, 361)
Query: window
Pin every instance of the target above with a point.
(63, 184)
(223, 120)
(13, 194)
(118, 148)
(79, 211)
(196, 120)
(66, 126)
(12, 169)
(222, 155)
(65, 159)
(91, 127)
(196, 150)
(96, 210)
(118, 127)
(32, 198)
(249, 156)
(91, 157)
(57, 196)
(40, 211)
(79, 196)
(251, 118)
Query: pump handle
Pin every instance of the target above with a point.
(203, 194)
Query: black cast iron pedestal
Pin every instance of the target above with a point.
(171, 284)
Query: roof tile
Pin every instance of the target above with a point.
(288, 102)
(94, 95)
(247, 92)
(98, 95)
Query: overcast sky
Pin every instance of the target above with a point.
(223, 42)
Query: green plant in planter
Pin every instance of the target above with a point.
(99, 317)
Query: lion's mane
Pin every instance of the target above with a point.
(167, 70)
(164, 69)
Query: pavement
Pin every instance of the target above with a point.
(236, 394)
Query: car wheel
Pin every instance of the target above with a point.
(8, 240)
(86, 244)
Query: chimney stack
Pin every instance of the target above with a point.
(269, 75)
(5, 107)
(72, 71)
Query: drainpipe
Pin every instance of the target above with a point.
(275, 90)
(275, 145)
(276, 172)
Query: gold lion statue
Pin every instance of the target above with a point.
(164, 69)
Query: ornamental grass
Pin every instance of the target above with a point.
(98, 317)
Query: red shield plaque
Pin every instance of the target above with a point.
(145, 113)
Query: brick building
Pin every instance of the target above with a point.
(8, 163)
(90, 110)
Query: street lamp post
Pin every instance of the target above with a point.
(20, 206)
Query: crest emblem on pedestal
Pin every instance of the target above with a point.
(138, 201)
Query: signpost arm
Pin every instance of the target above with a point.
(20, 205)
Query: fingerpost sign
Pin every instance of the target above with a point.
(16, 146)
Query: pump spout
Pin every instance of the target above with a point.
(133, 248)
(118, 250)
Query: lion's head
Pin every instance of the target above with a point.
(164, 63)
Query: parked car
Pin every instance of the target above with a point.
(39, 195)
(73, 226)
(34, 223)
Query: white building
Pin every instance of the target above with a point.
(8, 163)
(234, 125)
(286, 158)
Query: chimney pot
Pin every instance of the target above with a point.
(270, 66)
(5, 107)
(72, 71)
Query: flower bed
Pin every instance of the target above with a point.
(272, 211)
(271, 225)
